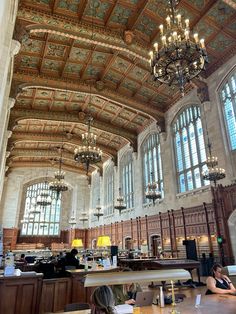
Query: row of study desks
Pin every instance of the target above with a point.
(210, 304)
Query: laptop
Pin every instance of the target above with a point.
(144, 298)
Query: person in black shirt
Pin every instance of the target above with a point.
(69, 260)
(219, 283)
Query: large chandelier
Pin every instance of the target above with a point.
(152, 192)
(58, 184)
(120, 205)
(88, 153)
(213, 173)
(180, 58)
(98, 212)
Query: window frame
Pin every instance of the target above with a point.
(108, 197)
(127, 179)
(34, 189)
(226, 81)
(149, 166)
(179, 123)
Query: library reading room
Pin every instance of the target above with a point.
(118, 156)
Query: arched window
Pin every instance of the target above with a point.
(47, 222)
(126, 177)
(190, 153)
(152, 165)
(109, 191)
(228, 99)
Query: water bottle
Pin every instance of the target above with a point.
(161, 298)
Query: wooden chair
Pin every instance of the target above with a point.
(76, 306)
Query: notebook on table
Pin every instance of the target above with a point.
(144, 298)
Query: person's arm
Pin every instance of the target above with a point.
(229, 282)
(211, 285)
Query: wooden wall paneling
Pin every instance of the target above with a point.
(184, 223)
(208, 228)
(161, 227)
(170, 232)
(146, 225)
(20, 295)
(174, 234)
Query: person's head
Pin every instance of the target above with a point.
(22, 255)
(74, 252)
(103, 300)
(217, 270)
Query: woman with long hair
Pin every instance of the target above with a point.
(219, 283)
(103, 301)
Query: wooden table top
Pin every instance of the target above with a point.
(210, 304)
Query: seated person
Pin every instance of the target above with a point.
(102, 301)
(126, 293)
(219, 283)
(22, 259)
(69, 260)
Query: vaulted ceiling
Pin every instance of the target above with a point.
(80, 57)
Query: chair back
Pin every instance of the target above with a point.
(76, 306)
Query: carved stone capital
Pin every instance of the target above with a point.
(163, 136)
(203, 93)
(11, 102)
(7, 154)
(9, 133)
(15, 47)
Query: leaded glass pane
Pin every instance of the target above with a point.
(190, 153)
(109, 191)
(152, 163)
(126, 165)
(49, 214)
(228, 98)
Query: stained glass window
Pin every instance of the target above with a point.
(228, 98)
(127, 186)
(109, 190)
(47, 222)
(190, 153)
(152, 163)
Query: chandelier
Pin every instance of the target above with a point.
(72, 220)
(98, 212)
(58, 184)
(83, 217)
(152, 193)
(44, 199)
(213, 173)
(180, 57)
(88, 153)
(34, 209)
(120, 203)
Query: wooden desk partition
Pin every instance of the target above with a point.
(56, 293)
(20, 295)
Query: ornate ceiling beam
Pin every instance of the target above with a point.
(44, 155)
(38, 164)
(22, 114)
(21, 81)
(79, 31)
(24, 137)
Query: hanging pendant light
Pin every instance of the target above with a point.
(98, 212)
(152, 192)
(181, 56)
(58, 184)
(120, 205)
(44, 199)
(88, 153)
(72, 220)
